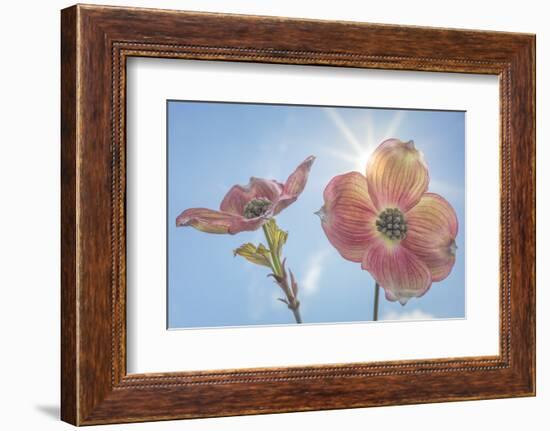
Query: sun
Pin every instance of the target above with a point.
(357, 152)
(363, 158)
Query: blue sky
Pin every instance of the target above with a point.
(212, 146)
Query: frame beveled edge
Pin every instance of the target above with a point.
(96, 41)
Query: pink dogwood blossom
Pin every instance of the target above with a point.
(246, 208)
(389, 223)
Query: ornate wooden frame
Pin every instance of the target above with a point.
(96, 41)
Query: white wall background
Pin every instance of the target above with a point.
(29, 215)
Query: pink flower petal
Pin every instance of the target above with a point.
(294, 185)
(211, 221)
(432, 229)
(397, 175)
(238, 196)
(397, 270)
(348, 216)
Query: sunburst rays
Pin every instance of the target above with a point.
(358, 151)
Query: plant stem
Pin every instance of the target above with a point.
(297, 316)
(292, 302)
(376, 301)
(281, 278)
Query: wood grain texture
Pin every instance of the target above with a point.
(96, 41)
(69, 365)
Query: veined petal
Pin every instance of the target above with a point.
(348, 216)
(397, 175)
(206, 220)
(295, 184)
(432, 229)
(210, 221)
(238, 196)
(397, 270)
(297, 180)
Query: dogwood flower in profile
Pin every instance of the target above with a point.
(246, 208)
(389, 223)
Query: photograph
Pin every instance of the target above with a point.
(283, 214)
(274, 215)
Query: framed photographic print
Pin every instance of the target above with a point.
(317, 215)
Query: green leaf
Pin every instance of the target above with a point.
(258, 255)
(278, 237)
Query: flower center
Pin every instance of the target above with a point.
(256, 208)
(391, 222)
